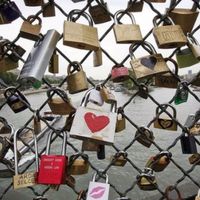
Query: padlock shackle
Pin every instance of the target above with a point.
(191, 39)
(60, 92)
(77, 12)
(96, 174)
(116, 21)
(163, 153)
(175, 65)
(32, 18)
(166, 105)
(16, 133)
(76, 64)
(148, 46)
(167, 19)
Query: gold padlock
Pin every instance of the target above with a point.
(54, 64)
(36, 124)
(77, 82)
(97, 58)
(107, 95)
(88, 145)
(48, 8)
(119, 159)
(166, 123)
(135, 6)
(195, 129)
(7, 64)
(121, 121)
(168, 36)
(194, 159)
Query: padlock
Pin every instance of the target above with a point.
(194, 46)
(88, 145)
(146, 180)
(52, 168)
(169, 190)
(126, 33)
(97, 57)
(29, 30)
(198, 195)
(9, 10)
(48, 8)
(135, 6)
(195, 129)
(147, 66)
(188, 144)
(33, 2)
(86, 37)
(29, 178)
(181, 95)
(159, 162)
(165, 123)
(36, 123)
(100, 13)
(7, 64)
(119, 73)
(101, 152)
(95, 96)
(54, 63)
(119, 159)
(107, 95)
(97, 190)
(184, 17)
(194, 159)
(77, 82)
(121, 121)
(144, 136)
(143, 91)
(59, 105)
(78, 166)
(15, 99)
(168, 36)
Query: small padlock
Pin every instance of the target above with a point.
(60, 105)
(77, 82)
(100, 13)
(119, 159)
(36, 123)
(182, 93)
(119, 73)
(97, 190)
(29, 178)
(143, 91)
(194, 159)
(101, 152)
(54, 63)
(146, 180)
(97, 57)
(126, 33)
(195, 129)
(159, 162)
(135, 6)
(29, 30)
(88, 145)
(165, 123)
(121, 121)
(48, 8)
(33, 2)
(169, 190)
(144, 136)
(168, 36)
(15, 99)
(198, 195)
(107, 95)
(95, 96)
(194, 46)
(188, 144)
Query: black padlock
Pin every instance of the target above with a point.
(101, 152)
(188, 144)
(143, 91)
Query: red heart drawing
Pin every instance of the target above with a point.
(96, 123)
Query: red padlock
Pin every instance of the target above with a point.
(52, 168)
(119, 73)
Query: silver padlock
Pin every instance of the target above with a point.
(95, 96)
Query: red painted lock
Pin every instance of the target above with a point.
(52, 168)
(119, 73)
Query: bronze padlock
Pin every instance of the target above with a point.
(107, 95)
(195, 129)
(77, 82)
(60, 105)
(119, 159)
(48, 8)
(135, 6)
(194, 159)
(36, 123)
(54, 64)
(166, 123)
(121, 121)
(7, 64)
(97, 57)
(33, 2)
(88, 145)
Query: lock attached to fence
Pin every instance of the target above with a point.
(88, 145)
(194, 46)
(107, 95)
(95, 96)
(168, 36)
(126, 33)
(182, 93)
(171, 188)
(59, 105)
(77, 82)
(119, 159)
(52, 168)
(119, 73)
(48, 8)
(33, 2)
(194, 159)
(166, 123)
(121, 121)
(135, 6)
(86, 37)
(29, 178)
(54, 63)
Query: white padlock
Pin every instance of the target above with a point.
(95, 96)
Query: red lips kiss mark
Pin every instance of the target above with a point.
(97, 192)
(96, 123)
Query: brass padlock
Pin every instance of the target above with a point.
(165, 123)
(7, 64)
(100, 13)
(194, 159)
(144, 136)
(33, 2)
(195, 129)
(107, 95)
(60, 105)
(36, 123)
(88, 145)
(121, 121)
(97, 58)
(194, 46)
(48, 8)
(54, 64)
(135, 6)
(29, 30)
(77, 82)
(126, 33)
(168, 36)
(119, 159)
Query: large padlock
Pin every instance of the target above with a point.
(194, 159)
(54, 63)
(181, 95)
(184, 17)
(168, 36)
(126, 33)
(144, 136)
(107, 95)
(100, 13)
(29, 30)
(147, 66)
(169, 190)
(135, 6)
(119, 159)
(48, 8)
(79, 35)
(97, 190)
(159, 162)
(95, 96)
(97, 125)
(165, 123)
(198, 195)
(33, 2)
(52, 168)
(59, 105)
(146, 180)
(28, 178)
(119, 73)
(121, 121)
(97, 58)
(15, 99)
(77, 82)
(194, 46)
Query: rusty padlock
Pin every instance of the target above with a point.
(135, 6)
